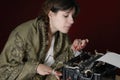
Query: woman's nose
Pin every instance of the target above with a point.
(71, 20)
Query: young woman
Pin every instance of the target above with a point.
(36, 49)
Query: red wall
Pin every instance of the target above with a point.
(99, 21)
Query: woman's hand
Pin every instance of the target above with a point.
(79, 44)
(44, 69)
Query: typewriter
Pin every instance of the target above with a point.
(85, 67)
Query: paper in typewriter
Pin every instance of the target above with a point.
(111, 58)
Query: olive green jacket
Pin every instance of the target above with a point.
(26, 48)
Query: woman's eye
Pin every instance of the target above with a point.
(65, 15)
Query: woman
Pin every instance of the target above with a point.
(36, 49)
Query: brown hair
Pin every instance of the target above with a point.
(55, 6)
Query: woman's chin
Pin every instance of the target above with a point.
(65, 32)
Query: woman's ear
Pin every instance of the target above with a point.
(50, 14)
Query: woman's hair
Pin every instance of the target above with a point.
(55, 6)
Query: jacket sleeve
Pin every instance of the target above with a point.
(17, 61)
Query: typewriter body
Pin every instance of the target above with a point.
(85, 67)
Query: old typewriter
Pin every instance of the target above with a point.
(85, 67)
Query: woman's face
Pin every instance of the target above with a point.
(61, 21)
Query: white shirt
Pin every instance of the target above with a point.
(49, 60)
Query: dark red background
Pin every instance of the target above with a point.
(99, 21)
